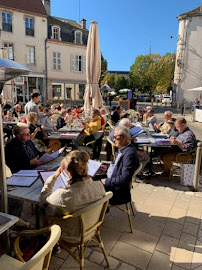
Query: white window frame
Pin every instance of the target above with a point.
(6, 22)
(54, 27)
(75, 37)
(10, 50)
(29, 24)
(31, 57)
(78, 63)
(56, 61)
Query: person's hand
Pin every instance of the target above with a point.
(58, 172)
(35, 161)
(103, 168)
(103, 181)
(172, 140)
(134, 139)
(157, 125)
(142, 154)
(42, 127)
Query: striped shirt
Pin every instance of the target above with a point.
(188, 139)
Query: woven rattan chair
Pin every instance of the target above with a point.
(129, 204)
(41, 260)
(90, 220)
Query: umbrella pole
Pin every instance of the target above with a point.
(3, 185)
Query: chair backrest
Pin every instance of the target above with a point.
(97, 135)
(41, 259)
(92, 216)
(113, 147)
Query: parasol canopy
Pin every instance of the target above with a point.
(92, 96)
(125, 90)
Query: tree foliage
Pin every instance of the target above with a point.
(103, 68)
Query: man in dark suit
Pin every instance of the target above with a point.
(21, 153)
(116, 115)
(120, 173)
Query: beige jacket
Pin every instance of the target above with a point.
(164, 128)
(70, 199)
(93, 126)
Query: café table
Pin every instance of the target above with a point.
(146, 140)
(31, 194)
(5, 225)
(70, 129)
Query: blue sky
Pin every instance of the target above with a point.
(127, 27)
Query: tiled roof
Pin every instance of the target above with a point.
(71, 22)
(193, 12)
(32, 6)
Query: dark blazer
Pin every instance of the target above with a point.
(119, 183)
(16, 156)
(60, 122)
(115, 117)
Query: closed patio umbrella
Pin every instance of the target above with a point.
(92, 96)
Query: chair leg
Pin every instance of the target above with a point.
(132, 207)
(102, 247)
(129, 217)
(171, 172)
(81, 251)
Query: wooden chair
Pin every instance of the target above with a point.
(129, 204)
(182, 158)
(41, 260)
(90, 218)
(113, 148)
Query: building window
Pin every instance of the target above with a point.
(6, 22)
(78, 37)
(56, 33)
(81, 90)
(56, 91)
(69, 92)
(78, 63)
(30, 55)
(10, 52)
(29, 26)
(56, 61)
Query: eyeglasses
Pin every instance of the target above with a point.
(28, 134)
(117, 137)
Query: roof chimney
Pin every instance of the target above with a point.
(83, 23)
(47, 6)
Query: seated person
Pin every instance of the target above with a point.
(152, 120)
(115, 117)
(9, 116)
(196, 104)
(120, 173)
(103, 114)
(21, 153)
(61, 120)
(46, 121)
(172, 132)
(80, 192)
(17, 110)
(89, 128)
(185, 142)
(77, 112)
(165, 127)
(145, 115)
(140, 115)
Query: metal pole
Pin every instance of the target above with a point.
(3, 185)
(197, 165)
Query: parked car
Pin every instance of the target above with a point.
(166, 99)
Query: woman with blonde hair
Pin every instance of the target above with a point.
(80, 191)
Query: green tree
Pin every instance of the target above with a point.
(110, 80)
(103, 68)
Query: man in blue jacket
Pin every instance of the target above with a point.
(120, 173)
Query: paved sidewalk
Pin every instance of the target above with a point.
(167, 234)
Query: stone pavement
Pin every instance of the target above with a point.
(167, 233)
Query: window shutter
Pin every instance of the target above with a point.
(72, 63)
(84, 64)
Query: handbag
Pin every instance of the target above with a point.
(187, 174)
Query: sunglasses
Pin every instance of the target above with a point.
(117, 137)
(28, 134)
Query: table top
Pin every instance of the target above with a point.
(10, 123)
(70, 129)
(63, 135)
(32, 193)
(152, 141)
(5, 226)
